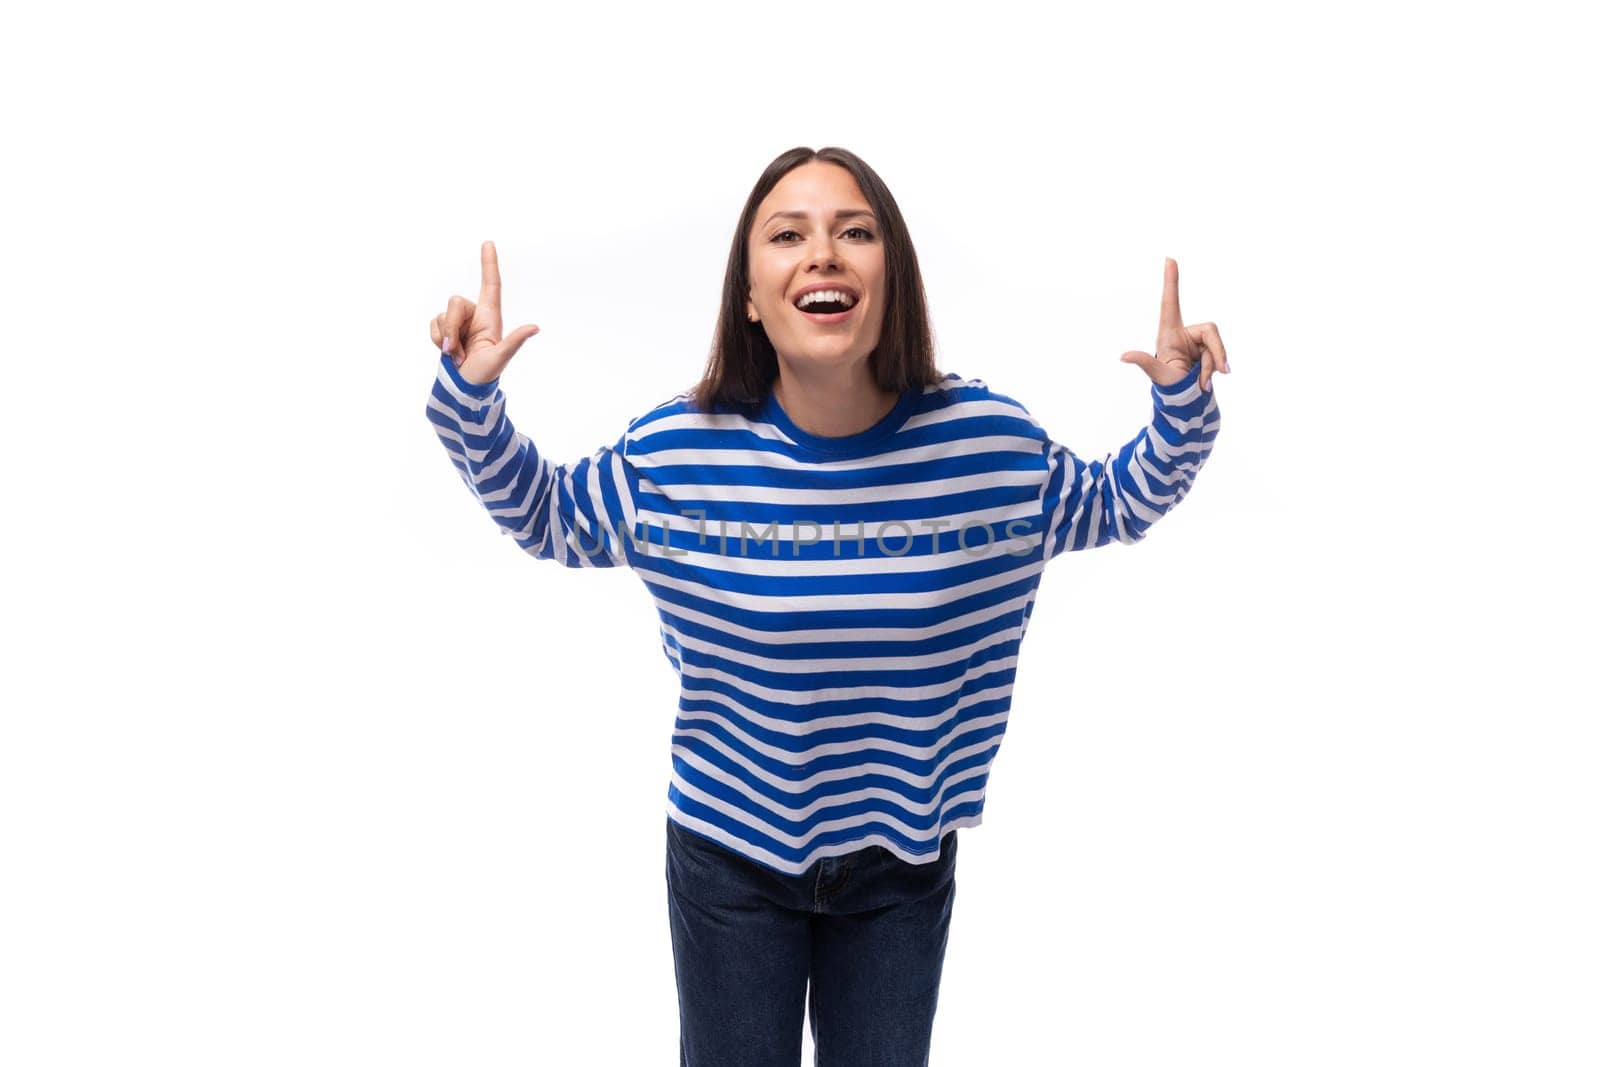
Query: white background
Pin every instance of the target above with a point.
(302, 762)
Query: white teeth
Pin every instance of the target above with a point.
(826, 294)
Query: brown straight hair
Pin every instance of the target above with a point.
(743, 365)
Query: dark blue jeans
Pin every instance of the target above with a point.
(867, 929)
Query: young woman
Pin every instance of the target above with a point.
(843, 545)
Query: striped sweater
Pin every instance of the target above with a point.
(844, 614)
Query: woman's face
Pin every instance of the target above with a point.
(816, 230)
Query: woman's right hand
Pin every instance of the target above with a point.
(470, 333)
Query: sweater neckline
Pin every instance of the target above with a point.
(849, 445)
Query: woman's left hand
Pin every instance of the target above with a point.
(1180, 347)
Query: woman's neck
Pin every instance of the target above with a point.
(832, 405)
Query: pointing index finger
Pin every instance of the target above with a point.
(1171, 317)
(489, 288)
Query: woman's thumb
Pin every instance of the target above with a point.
(1145, 360)
(514, 340)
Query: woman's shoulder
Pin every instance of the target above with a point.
(954, 389)
(680, 413)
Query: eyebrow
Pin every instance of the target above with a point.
(850, 214)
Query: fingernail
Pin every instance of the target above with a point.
(446, 346)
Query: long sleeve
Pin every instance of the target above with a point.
(1118, 497)
(571, 513)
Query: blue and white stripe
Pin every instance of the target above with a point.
(845, 642)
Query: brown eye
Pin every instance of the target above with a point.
(862, 230)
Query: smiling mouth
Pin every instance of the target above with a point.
(825, 317)
(836, 307)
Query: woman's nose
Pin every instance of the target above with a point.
(822, 253)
